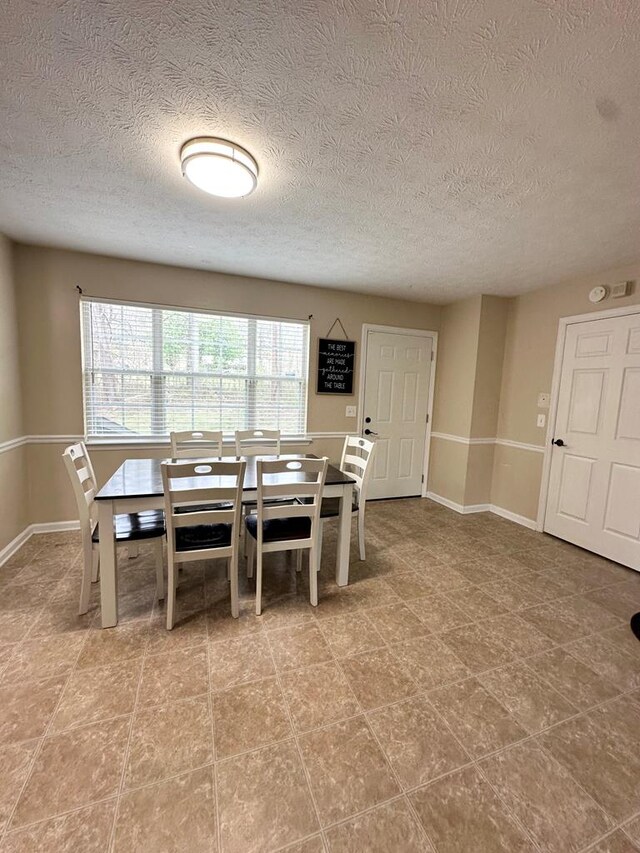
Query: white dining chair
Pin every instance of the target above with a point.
(190, 445)
(130, 528)
(257, 442)
(214, 490)
(357, 456)
(286, 527)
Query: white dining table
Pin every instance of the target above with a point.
(137, 485)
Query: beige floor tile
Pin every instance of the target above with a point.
(438, 613)
(106, 646)
(387, 828)
(22, 596)
(592, 616)
(519, 638)
(98, 694)
(314, 844)
(397, 622)
(186, 633)
(263, 800)
(416, 741)
(479, 721)
(462, 814)
(87, 830)
(409, 585)
(223, 626)
(476, 571)
(557, 812)
(378, 678)
(318, 695)
(533, 702)
(618, 599)
(573, 679)
(442, 577)
(543, 586)
(43, 658)
(617, 842)
(239, 660)
(511, 594)
(557, 620)
(298, 646)
(176, 674)
(347, 769)
(172, 816)
(169, 739)
(632, 829)
(350, 635)
(14, 624)
(249, 716)
(27, 707)
(15, 761)
(430, 662)
(609, 659)
(73, 769)
(477, 648)
(600, 761)
(61, 617)
(478, 605)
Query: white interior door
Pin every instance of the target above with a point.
(594, 485)
(395, 407)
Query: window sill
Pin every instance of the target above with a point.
(162, 443)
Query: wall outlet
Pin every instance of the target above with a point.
(542, 419)
(543, 400)
(350, 412)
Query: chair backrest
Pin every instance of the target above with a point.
(357, 454)
(83, 480)
(257, 442)
(212, 487)
(290, 478)
(189, 445)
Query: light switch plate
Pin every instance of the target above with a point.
(350, 412)
(543, 400)
(541, 420)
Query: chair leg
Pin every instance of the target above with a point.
(159, 570)
(299, 560)
(95, 565)
(361, 532)
(87, 574)
(319, 545)
(258, 581)
(170, 598)
(313, 576)
(251, 554)
(232, 566)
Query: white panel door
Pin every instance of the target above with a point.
(594, 486)
(395, 406)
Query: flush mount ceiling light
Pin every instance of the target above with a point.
(219, 167)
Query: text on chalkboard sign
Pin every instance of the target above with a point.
(336, 361)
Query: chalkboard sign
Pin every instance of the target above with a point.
(336, 361)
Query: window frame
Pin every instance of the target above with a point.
(157, 407)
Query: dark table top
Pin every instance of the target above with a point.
(142, 478)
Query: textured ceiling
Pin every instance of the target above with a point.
(421, 148)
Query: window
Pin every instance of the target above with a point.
(149, 370)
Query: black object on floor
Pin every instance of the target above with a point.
(635, 624)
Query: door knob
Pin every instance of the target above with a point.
(558, 442)
(370, 432)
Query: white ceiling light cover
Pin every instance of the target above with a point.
(219, 167)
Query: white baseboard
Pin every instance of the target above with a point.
(497, 510)
(464, 510)
(33, 529)
(513, 516)
(16, 543)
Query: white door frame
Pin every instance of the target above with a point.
(563, 325)
(399, 330)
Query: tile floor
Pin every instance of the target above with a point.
(475, 688)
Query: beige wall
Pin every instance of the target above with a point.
(50, 343)
(532, 329)
(13, 477)
(467, 398)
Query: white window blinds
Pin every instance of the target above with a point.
(148, 370)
